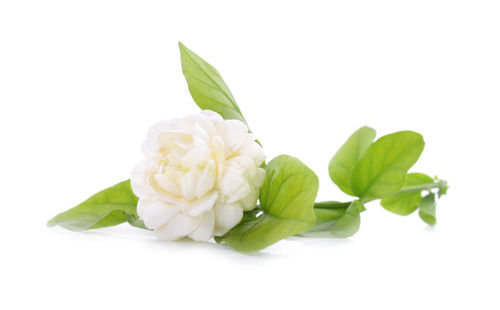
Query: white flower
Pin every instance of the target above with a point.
(200, 173)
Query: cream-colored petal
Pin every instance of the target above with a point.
(163, 126)
(231, 181)
(253, 150)
(184, 143)
(226, 217)
(207, 179)
(201, 133)
(196, 156)
(205, 229)
(235, 134)
(259, 177)
(139, 176)
(188, 123)
(168, 181)
(213, 116)
(245, 162)
(189, 182)
(162, 234)
(207, 124)
(155, 213)
(173, 157)
(179, 226)
(241, 192)
(150, 145)
(168, 139)
(218, 154)
(198, 206)
(249, 201)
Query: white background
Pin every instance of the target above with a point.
(82, 81)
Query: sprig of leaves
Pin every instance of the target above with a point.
(379, 170)
(363, 168)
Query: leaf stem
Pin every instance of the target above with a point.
(331, 205)
(440, 184)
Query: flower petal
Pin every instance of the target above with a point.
(196, 156)
(213, 116)
(189, 182)
(205, 229)
(245, 162)
(138, 179)
(198, 206)
(259, 178)
(232, 179)
(241, 192)
(226, 217)
(179, 226)
(168, 181)
(253, 150)
(155, 213)
(207, 179)
(219, 155)
(235, 134)
(150, 146)
(249, 201)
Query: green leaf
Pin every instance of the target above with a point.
(347, 157)
(207, 87)
(112, 206)
(287, 200)
(342, 227)
(443, 189)
(382, 171)
(405, 203)
(427, 210)
(327, 211)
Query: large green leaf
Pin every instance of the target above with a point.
(207, 87)
(343, 226)
(382, 170)
(345, 160)
(404, 203)
(427, 209)
(287, 200)
(109, 207)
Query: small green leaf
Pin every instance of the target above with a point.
(109, 207)
(347, 157)
(427, 209)
(405, 203)
(287, 200)
(327, 211)
(342, 227)
(207, 87)
(443, 189)
(382, 171)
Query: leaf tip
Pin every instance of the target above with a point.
(368, 128)
(53, 221)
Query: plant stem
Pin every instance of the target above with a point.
(417, 188)
(440, 184)
(331, 205)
